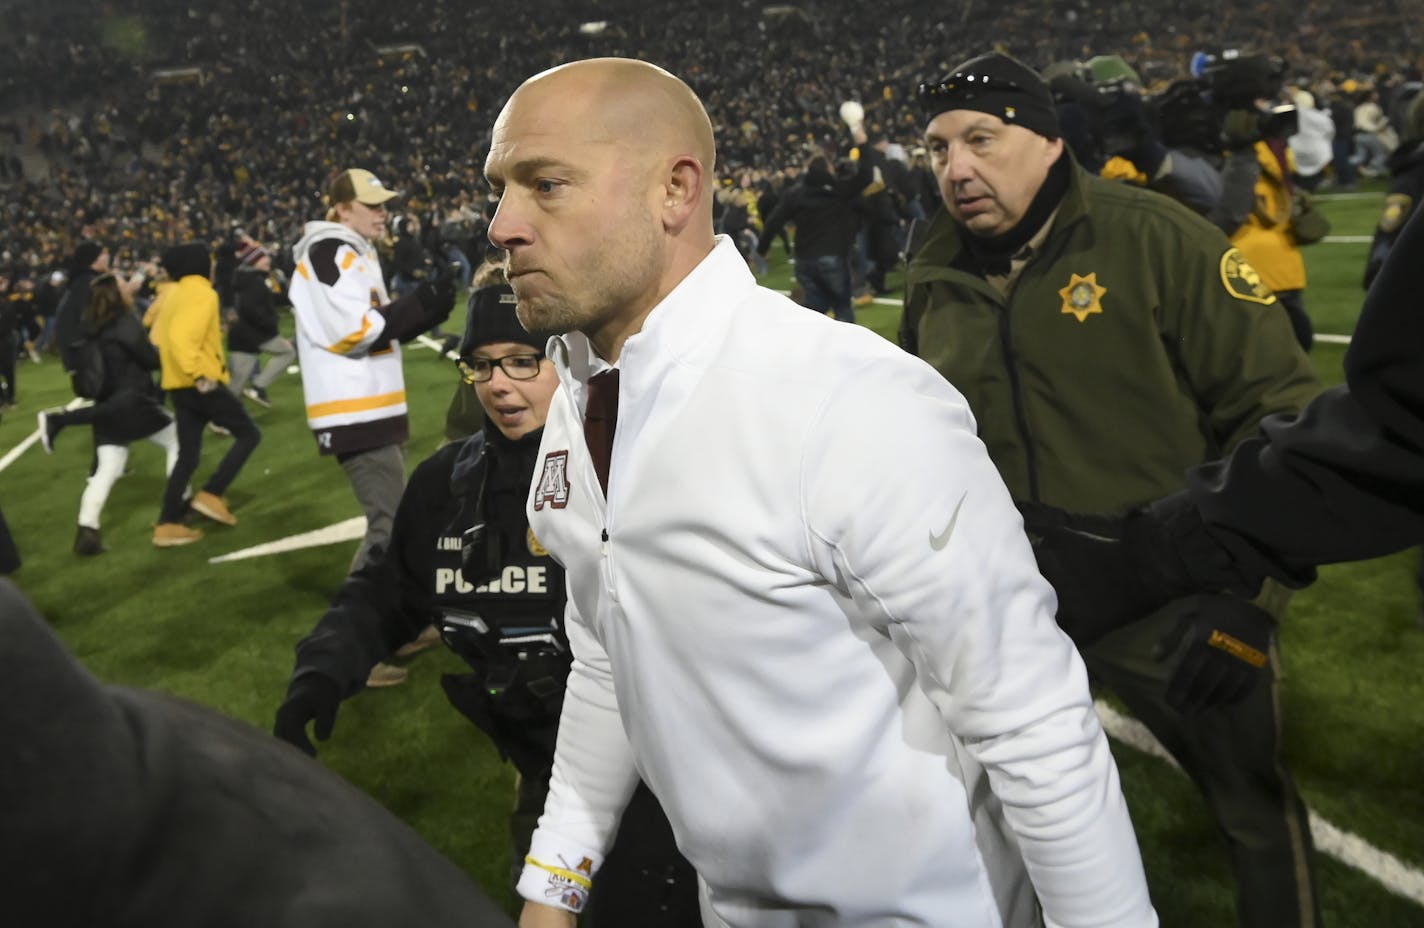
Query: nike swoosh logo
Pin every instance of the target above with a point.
(937, 542)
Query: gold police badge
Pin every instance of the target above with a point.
(535, 548)
(1083, 296)
(1242, 281)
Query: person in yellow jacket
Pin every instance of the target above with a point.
(1266, 238)
(189, 340)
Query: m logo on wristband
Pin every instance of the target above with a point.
(569, 886)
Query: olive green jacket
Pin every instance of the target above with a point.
(1135, 344)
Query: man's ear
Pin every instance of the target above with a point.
(683, 189)
(1055, 148)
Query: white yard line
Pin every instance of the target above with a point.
(1351, 850)
(14, 453)
(427, 342)
(1348, 239)
(350, 530)
(33, 438)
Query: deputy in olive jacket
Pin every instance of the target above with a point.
(1108, 339)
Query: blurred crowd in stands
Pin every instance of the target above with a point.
(146, 124)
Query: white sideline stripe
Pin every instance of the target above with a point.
(33, 438)
(14, 453)
(350, 530)
(1351, 850)
(427, 342)
(1333, 339)
(1348, 239)
(1345, 196)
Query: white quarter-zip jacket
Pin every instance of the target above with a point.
(808, 616)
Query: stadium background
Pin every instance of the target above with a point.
(222, 634)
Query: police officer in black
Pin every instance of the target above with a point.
(463, 557)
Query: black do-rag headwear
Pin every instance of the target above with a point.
(188, 259)
(996, 84)
(85, 255)
(492, 318)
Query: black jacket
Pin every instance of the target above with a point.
(410, 259)
(386, 603)
(1345, 479)
(132, 405)
(130, 358)
(823, 208)
(69, 315)
(128, 808)
(255, 303)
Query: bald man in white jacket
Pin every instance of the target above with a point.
(802, 606)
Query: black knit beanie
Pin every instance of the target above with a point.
(492, 318)
(85, 254)
(998, 85)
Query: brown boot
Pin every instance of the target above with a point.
(428, 638)
(212, 506)
(173, 534)
(384, 674)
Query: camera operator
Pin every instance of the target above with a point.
(462, 555)
(1259, 206)
(1109, 126)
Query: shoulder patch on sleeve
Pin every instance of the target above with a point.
(1397, 207)
(1241, 279)
(323, 260)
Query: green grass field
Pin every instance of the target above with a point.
(223, 635)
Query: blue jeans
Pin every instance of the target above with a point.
(825, 282)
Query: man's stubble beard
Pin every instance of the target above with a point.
(618, 280)
(548, 316)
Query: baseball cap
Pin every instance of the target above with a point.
(359, 185)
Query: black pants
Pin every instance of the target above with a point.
(193, 411)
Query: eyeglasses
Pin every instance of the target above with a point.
(515, 367)
(961, 87)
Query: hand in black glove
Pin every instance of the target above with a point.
(1112, 570)
(312, 697)
(437, 295)
(1224, 643)
(1092, 568)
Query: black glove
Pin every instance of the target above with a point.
(1095, 572)
(437, 295)
(312, 697)
(1224, 643)
(1112, 570)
